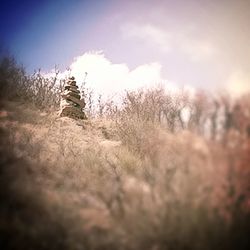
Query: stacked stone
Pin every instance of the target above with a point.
(71, 103)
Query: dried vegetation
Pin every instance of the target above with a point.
(158, 171)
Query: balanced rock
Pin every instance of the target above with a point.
(71, 103)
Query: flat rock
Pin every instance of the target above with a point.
(70, 87)
(72, 83)
(81, 103)
(65, 103)
(74, 90)
(73, 112)
(71, 93)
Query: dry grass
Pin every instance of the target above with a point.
(153, 191)
(37, 90)
(144, 179)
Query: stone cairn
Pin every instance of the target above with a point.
(71, 103)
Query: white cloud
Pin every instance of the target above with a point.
(103, 76)
(149, 34)
(111, 80)
(108, 78)
(238, 83)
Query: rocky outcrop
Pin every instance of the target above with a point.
(71, 103)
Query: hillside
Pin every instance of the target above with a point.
(156, 171)
(77, 184)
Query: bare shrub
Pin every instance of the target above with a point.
(167, 186)
(161, 193)
(38, 90)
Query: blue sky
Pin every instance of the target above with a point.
(45, 33)
(203, 44)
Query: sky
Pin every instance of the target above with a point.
(128, 44)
